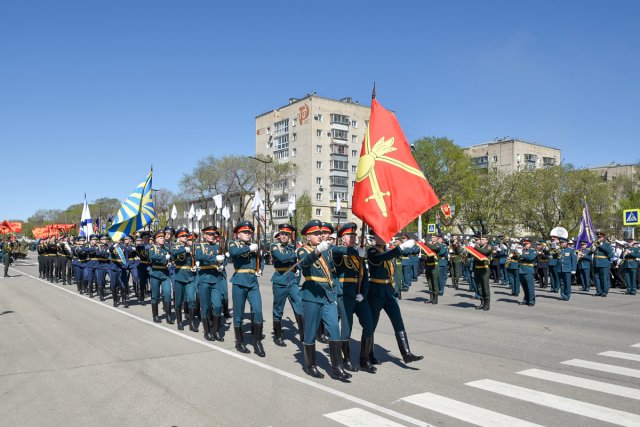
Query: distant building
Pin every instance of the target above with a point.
(323, 137)
(512, 155)
(614, 171)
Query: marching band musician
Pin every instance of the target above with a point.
(602, 253)
(431, 270)
(542, 265)
(585, 258)
(184, 285)
(245, 286)
(455, 255)
(630, 266)
(210, 282)
(160, 280)
(527, 259)
(481, 273)
(554, 254)
(513, 269)
(567, 265)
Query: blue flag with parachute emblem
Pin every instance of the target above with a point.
(135, 213)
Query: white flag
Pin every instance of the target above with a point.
(292, 205)
(174, 212)
(86, 223)
(225, 213)
(338, 203)
(192, 212)
(257, 207)
(199, 214)
(217, 199)
(211, 210)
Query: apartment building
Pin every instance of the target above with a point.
(512, 155)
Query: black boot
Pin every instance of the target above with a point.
(336, 361)
(455, 283)
(215, 332)
(114, 296)
(372, 357)
(167, 312)
(141, 294)
(154, 311)
(277, 333)
(487, 304)
(257, 340)
(300, 322)
(346, 356)
(403, 344)
(90, 286)
(481, 306)
(125, 297)
(225, 309)
(101, 292)
(365, 350)
(310, 361)
(239, 343)
(179, 318)
(207, 331)
(320, 335)
(434, 299)
(192, 320)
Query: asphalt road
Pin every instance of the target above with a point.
(68, 360)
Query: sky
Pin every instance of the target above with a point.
(92, 93)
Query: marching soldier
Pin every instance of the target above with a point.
(602, 253)
(567, 265)
(131, 270)
(481, 273)
(210, 281)
(542, 265)
(630, 266)
(105, 266)
(351, 272)
(184, 285)
(527, 259)
(585, 258)
(382, 293)
(7, 251)
(407, 264)
(144, 265)
(285, 283)
(245, 286)
(160, 281)
(443, 264)
(41, 249)
(513, 271)
(319, 300)
(431, 270)
(455, 255)
(79, 261)
(554, 254)
(91, 266)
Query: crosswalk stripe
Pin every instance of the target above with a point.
(631, 393)
(635, 345)
(585, 409)
(612, 369)
(621, 355)
(465, 412)
(357, 417)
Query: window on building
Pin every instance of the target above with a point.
(318, 180)
(294, 136)
(318, 117)
(293, 152)
(495, 159)
(319, 197)
(549, 161)
(339, 149)
(354, 153)
(318, 165)
(340, 181)
(281, 127)
(319, 133)
(354, 139)
(334, 194)
(280, 213)
(340, 119)
(318, 149)
(354, 168)
(318, 212)
(354, 124)
(295, 122)
(281, 142)
(281, 155)
(353, 184)
(340, 165)
(366, 123)
(481, 161)
(340, 134)
(530, 158)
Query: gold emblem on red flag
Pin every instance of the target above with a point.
(366, 168)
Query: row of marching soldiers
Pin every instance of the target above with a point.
(325, 284)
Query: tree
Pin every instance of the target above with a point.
(162, 203)
(303, 211)
(487, 210)
(270, 176)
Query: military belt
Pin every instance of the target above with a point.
(431, 264)
(383, 281)
(159, 267)
(348, 280)
(282, 269)
(245, 270)
(145, 262)
(184, 267)
(526, 265)
(601, 256)
(480, 266)
(208, 267)
(100, 259)
(317, 279)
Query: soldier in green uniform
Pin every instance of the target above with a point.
(159, 276)
(285, 282)
(630, 266)
(210, 261)
(455, 256)
(7, 251)
(382, 295)
(352, 275)
(481, 273)
(513, 270)
(431, 270)
(184, 285)
(245, 286)
(602, 253)
(319, 300)
(527, 266)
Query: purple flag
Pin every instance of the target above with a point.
(586, 233)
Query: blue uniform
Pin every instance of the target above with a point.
(408, 271)
(567, 264)
(210, 278)
(285, 285)
(630, 269)
(382, 295)
(602, 254)
(78, 263)
(184, 280)
(160, 275)
(584, 269)
(443, 266)
(527, 260)
(554, 254)
(244, 282)
(144, 265)
(513, 274)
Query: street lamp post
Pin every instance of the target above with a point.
(265, 162)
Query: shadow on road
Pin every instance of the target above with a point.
(6, 312)
(462, 305)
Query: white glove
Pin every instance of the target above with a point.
(297, 272)
(323, 246)
(573, 272)
(359, 298)
(198, 264)
(227, 254)
(408, 244)
(187, 249)
(362, 252)
(220, 258)
(253, 247)
(168, 257)
(258, 273)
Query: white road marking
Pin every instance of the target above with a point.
(612, 369)
(560, 403)
(357, 417)
(322, 387)
(617, 390)
(465, 412)
(621, 355)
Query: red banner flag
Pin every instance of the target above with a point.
(390, 189)
(446, 210)
(426, 249)
(479, 256)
